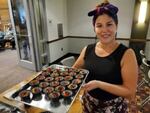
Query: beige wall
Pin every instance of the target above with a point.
(4, 14)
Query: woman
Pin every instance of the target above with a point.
(112, 66)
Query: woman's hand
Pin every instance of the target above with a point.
(91, 85)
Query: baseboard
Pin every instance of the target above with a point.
(66, 55)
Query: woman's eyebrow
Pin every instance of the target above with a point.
(110, 21)
(98, 23)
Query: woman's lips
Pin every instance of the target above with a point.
(105, 36)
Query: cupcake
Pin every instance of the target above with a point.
(77, 70)
(34, 83)
(40, 78)
(54, 96)
(67, 78)
(72, 86)
(56, 71)
(24, 95)
(54, 74)
(76, 81)
(64, 83)
(36, 91)
(49, 70)
(61, 73)
(54, 83)
(66, 69)
(67, 93)
(79, 76)
(48, 90)
(43, 84)
(82, 72)
(59, 78)
(49, 79)
(72, 73)
(44, 73)
(71, 70)
(60, 88)
(64, 73)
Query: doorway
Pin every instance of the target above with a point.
(27, 17)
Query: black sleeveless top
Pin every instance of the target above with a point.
(106, 69)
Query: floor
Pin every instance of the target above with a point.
(10, 70)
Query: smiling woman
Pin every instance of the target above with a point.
(108, 83)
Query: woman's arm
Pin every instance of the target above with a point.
(80, 61)
(129, 71)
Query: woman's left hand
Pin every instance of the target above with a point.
(91, 85)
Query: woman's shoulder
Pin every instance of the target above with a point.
(90, 47)
(129, 52)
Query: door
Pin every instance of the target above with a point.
(27, 18)
(22, 30)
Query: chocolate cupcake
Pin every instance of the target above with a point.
(25, 95)
(67, 78)
(77, 70)
(48, 90)
(67, 93)
(43, 84)
(76, 81)
(59, 78)
(79, 76)
(72, 86)
(61, 73)
(60, 88)
(49, 79)
(82, 72)
(72, 74)
(44, 73)
(64, 73)
(40, 78)
(54, 83)
(71, 70)
(54, 96)
(54, 74)
(64, 83)
(34, 83)
(36, 91)
(66, 69)
(49, 70)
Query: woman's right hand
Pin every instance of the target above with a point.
(91, 85)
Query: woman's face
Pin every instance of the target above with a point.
(105, 29)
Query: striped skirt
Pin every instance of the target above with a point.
(93, 105)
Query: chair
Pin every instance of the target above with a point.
(145, 67)
(147, 81)
(69, 61)
(142, 54)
